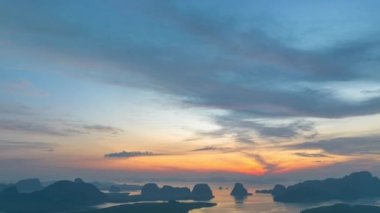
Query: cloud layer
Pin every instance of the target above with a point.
(227, 59)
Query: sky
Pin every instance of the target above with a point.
(216, 90)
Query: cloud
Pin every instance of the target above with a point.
(344, 146)
(125, 154)
(269, 167)
(21, 145)
(29, 127)
(15, 110)
(25, 120)
(311, 155)
(24, 87)
(230, 61)
(213, 148)
(102, 129)
(242, 129)
(376, 91)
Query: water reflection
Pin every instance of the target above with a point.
(240, 199)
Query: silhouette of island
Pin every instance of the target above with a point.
(264, 191)
(77, 192)
(344, 208)
(106, 186)
(150, 189)
(168, 207)
(114, 189)
(61, 195)
(239, 191)
(354, 186)
(277, 190)
(152, 192)
(29, 185)
(202, 191)
(64, 196)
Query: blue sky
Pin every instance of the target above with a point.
(254, 86)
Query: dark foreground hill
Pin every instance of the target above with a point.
(344, 208)
(168, 207)
(62, 195)
(351, 187)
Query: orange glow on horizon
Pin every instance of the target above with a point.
(234, 162)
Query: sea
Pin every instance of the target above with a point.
(257, 203)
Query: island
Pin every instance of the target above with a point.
(152, 192)
(115, 187)
(29, 185)
(77, 195)
(277, 190)
(60, 196)
(239, 191)
(351, 187)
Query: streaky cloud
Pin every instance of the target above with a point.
(361, 145)
(29, 127)
(125, 154)
(269, 167)
(21, 145)
(214, 148)
(311, 155)
(103, 128)
(243, 129)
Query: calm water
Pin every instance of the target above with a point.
(261, 203)
(257, 203)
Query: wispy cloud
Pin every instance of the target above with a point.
(376, 91)
(29, 127)
(269, 167)
(311, 155)
(102, 129)
(55, 127)
(214, 148)
(15, 110)
(243, 129)
(133, 154)
(24, 87)
(21, 145)
(343, 146)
